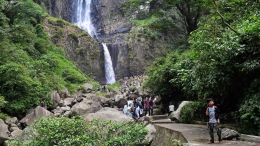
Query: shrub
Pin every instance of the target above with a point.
(76, 131)
(250, 115)
(192, 112)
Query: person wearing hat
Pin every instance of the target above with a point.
(213, 120)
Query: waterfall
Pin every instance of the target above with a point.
(83, 17)
(110, 75)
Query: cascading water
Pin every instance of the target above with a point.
(83, 17)
(110, 75)
(84, 21)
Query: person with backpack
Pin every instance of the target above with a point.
(213, 121)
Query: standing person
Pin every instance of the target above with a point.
(146, 106)
(171, 108)
(213, 121)
(142, 107)
(150, 106)
(137, 109)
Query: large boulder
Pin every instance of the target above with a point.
(229, 134)
(151, 133)
(86, 106)
(87, 87)
(3, 131)
(37, 112)
(176, 114)
(108, 114)
(55, 97)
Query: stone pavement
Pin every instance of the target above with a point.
(197, 135)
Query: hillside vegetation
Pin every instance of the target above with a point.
(30, 65)
(220, 62)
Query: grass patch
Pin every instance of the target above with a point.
(101, 94)
(145, 22)
(113, 86)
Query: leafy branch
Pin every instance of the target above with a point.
(222, 18)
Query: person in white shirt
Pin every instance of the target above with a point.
(171, 108)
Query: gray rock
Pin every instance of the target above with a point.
(86, 106)
(67, 114)
(67, 101)
(13, 120)
(11, 129)
(105, 102)
(67, 108)
(37, 112)
(61, 104)
(3, 131)
(55, 97)
(64, 93)
(16, 133)
(87, 87)
(58, 111)
(176, 114)
(108, 114)
(229, 134)
(79, 99)
(140, 91)
(151, 133)
(89, 95)
(118, 97)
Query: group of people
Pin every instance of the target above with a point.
(143, 107)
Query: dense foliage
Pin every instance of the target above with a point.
(30, 65)
(76, 131)
(222, 62)
(192, 112)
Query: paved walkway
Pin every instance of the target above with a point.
(197, 135)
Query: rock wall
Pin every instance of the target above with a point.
(165, 137)
(78, 46)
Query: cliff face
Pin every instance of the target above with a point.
(131, 51)
(78, 46)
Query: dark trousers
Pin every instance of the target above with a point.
(211, 126)
(147, 109)
(150, 111)
(169, 113)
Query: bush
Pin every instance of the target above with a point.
(250, 115)
(192, 112)
(76, 131)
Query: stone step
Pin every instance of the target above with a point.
(158, 117)
(162, 121)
